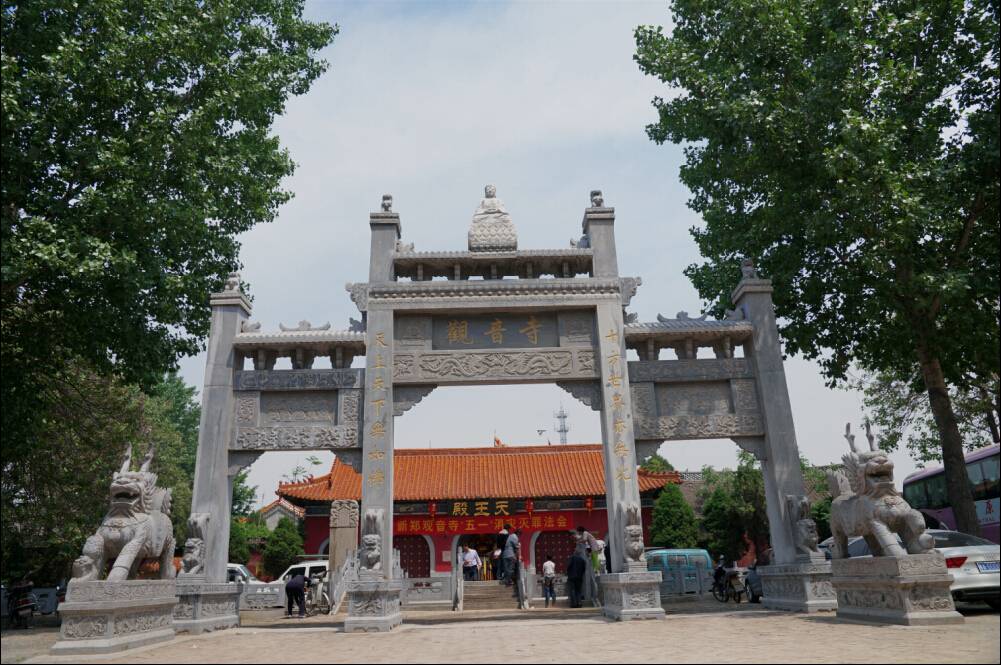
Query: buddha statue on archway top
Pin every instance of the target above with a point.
(492, 229)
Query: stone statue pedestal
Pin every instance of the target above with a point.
(804, 586)
(634, 594)
(912, 590)
(102, 617)
(373, 604)
(203, 606)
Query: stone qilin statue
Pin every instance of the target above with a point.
(370, 553)
(804, 529)
(193, 561)
(867, 504)
(634, 536)
(136, 528)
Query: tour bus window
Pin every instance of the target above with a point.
(914, 494)
(975, 472)
(989, 468)
(938, 496)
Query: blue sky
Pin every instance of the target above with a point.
(430, 102)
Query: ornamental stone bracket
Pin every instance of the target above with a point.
(588, 392)
(407, 397)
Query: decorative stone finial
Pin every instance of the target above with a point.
(597, 200)
(747, 269)
(491, 229)
(387, 203)
(233, 282)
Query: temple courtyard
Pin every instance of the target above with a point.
(705, 631)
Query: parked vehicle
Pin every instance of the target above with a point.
(972, 562)
(307, 568)
(21, 604)
(237, 572)
(925, 491)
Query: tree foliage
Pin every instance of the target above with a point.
(56, 497)
(851, 149)
(674, 524)
(899, 410)
(244, 495)
(136, 146)
(284, 546)
(656, 464)
(733, 507)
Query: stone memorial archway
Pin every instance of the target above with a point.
(499, 315)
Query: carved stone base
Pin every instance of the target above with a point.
(105, 617)
(203, 607)
(912, 590)
(798, 587)
(632, 595)
(373, 605)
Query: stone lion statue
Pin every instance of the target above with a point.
(867, 504)
(193, 561)
(136, 528)
(370, 552)
(804, 529)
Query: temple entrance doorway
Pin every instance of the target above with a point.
(484, 544)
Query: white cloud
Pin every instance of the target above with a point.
(432, 102)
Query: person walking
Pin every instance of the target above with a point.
(590, 544)
(576, 568)
(549, 580)
(470, 564)
(295, 592)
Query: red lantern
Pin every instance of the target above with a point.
(529, 506)
(589, 503)
(433, 508)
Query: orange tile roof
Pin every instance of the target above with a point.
(298, 511)
(478, 473)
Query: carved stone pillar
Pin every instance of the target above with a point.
(343, 532)
(230, 309)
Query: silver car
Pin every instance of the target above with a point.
(972, 562)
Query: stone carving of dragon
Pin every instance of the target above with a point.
(867, 504)
(136, 528)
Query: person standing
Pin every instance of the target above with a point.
(511, 551)
(549, 580)
(590, 544)
(470, 564)
(496, 560)
(576, 568)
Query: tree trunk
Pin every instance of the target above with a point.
(956, 480)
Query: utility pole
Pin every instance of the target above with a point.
(562, 427)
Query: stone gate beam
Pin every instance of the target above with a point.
(212, 492)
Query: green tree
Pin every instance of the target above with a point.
(244, 495)
(900, 412)
(239, 547)
(674, 524)
(851, 149)
(55, 498)
(656, 464)
(733, 508)
(283, 548)
(135, 147)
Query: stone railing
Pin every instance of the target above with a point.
(262, 596)
(340, 579)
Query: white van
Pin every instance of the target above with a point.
(308, 568)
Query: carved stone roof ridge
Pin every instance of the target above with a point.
(504, 254)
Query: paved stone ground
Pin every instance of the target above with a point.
(703, 632)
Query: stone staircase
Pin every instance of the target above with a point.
(490, 595)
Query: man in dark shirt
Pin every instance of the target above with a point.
(295, 591)
(576, 568)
